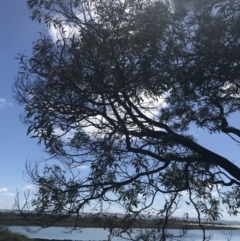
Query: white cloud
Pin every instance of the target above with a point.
(55, 34)
(4, 189)
(9, 194)
(28, 187)
(81, 167)
(141, 196)
(153, 106)
(65, 137)
(4, 103)
(195, 131)
(184, 193)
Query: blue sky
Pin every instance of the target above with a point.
(17, 34)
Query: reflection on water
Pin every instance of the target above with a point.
(100, 234)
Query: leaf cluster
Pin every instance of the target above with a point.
(118, 92)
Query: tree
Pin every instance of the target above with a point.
(118, 91)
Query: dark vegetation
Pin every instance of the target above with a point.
(118, 93)
(94, 221)
(7, 235)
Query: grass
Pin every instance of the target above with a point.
(7, 235)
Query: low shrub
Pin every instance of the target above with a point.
(7, 235)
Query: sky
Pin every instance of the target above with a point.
(17, 34)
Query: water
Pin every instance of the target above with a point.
(100, 234)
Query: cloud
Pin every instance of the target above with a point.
(9, 194)
(28, 187)
(184, 193)
(81, 167)
(56, 34)
(4, 103)
(141, 196)
(4, 189)
(195, 132)
(65, 137)
(152, 106)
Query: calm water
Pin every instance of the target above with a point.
(100, 234)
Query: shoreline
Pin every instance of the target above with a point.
(144, 225)
(12, 219)
(209, 226)
(189, 226)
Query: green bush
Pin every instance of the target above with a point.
(7, 235)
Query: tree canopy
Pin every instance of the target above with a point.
(118, 89)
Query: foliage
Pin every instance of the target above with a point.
(118, 92)
(6, 234)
